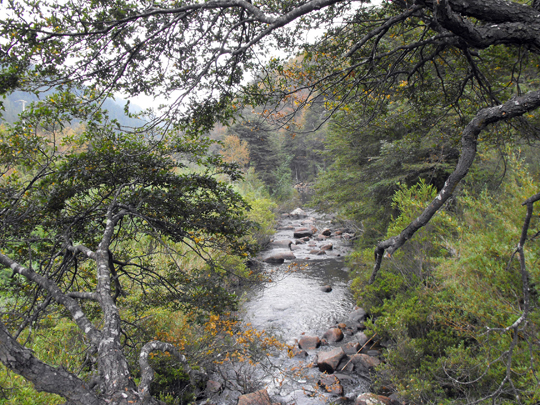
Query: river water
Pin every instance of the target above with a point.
(294, 304)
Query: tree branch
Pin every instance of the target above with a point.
(147, 373)
(69, 303)
(513, 108)
(44, 377)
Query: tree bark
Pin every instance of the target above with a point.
(44, 377)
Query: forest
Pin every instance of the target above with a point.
(126, 233)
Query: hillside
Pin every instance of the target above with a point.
(16, 101)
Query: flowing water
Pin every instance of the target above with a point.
(294, 304)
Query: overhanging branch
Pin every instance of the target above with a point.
(513, 108)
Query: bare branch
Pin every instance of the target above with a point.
(69, 303)
(147, 373)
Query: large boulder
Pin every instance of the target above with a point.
(309, 342)
(279, 257)
(302, 232)
(328, 361)
(298, 213)
(371, 399)
(260, 397)
(333, 335)
(363, 362)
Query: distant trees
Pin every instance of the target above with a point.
(164, 49)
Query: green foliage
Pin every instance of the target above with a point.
(263, 213)
(171, 384)
(441, 305)
(178, 246)
(15, 390)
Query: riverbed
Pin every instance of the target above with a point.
(308, 295)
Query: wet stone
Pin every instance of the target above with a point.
(283, 244)
(302, 232)
(255, 398)
(328, 361)
(309, 342)
(333, 335)
(326, 288)
(328, 246)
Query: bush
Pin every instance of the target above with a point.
(443, 306)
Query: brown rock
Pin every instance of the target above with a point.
(341, 325)
(279, 257)
(328, 246)
(364, 362)
(351, 347)
(326, 288)
(328, 361)
(331, 384)
(309, 342)
(255, 398)
(371, 399)
(326, 232)
(302, 232)
(333, 335)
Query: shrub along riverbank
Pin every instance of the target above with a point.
(456, 311)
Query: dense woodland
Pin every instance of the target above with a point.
(123, 245)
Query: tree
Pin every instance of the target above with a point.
(71, 211)
(166, 49)
(198, 53)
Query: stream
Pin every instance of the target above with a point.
(308, 295)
